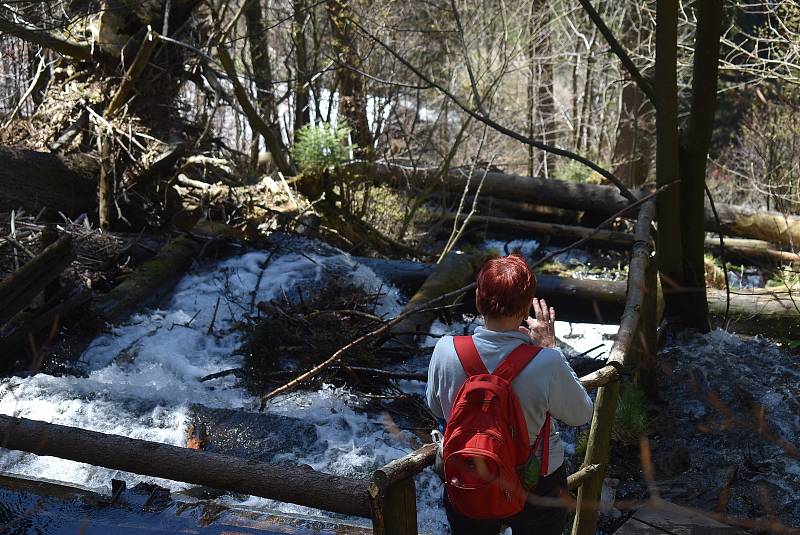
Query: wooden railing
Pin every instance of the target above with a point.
(388, 498)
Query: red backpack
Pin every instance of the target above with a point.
(486, 439)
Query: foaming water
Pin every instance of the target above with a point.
(141, 379)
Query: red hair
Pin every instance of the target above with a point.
(506, 286)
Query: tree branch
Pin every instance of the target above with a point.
(618, 50)
(496, 126)
(73, 49)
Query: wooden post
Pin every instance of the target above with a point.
(597, 452)
(393, 495)
(394, 508)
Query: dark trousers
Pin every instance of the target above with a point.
(533, 520)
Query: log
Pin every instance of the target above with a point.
(14, 336)
(38, 179)
(150, 282)
(773, 227)
(18, 289)
(456, 270)
(741, 249)
(293, 484)
(759, 311)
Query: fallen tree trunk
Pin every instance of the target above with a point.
(18, 289)
(741, 249)
(455, 271)
(38, 179)
(760, 311)
(773, 227)
(292, 484)
(150, 282)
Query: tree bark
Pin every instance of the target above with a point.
(670, 249)
(350, 84)
(773, 227)
(19, 288)
(38, 179)
(150, 282)
(292, 484)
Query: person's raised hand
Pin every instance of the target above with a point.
(541, 328)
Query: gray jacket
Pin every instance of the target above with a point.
(548, 383)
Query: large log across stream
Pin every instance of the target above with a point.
(773, 227)
(292, 484)
(760, 311)
(735, 248)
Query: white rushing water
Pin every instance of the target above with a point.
(142, 379)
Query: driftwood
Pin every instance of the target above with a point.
(17, 290)
(292, 484)
(773, 227)
(150, 282)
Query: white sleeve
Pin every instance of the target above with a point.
(432, 390)
(567, 400)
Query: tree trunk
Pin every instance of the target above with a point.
(38, 180)
(293, 484)
(258, 39)
(765, 312)
(302, 112)
(670, 250)
(455, 271)
(352, 96)
(693, 153)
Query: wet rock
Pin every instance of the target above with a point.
(252, 435)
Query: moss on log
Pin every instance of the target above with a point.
(150, 282)
(456, 270)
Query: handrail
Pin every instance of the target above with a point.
(292, 484)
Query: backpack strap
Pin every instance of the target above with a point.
(468, 355)
(516, 361)
(544, 438)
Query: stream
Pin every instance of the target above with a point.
(141, 380)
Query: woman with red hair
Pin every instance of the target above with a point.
(546, 386)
